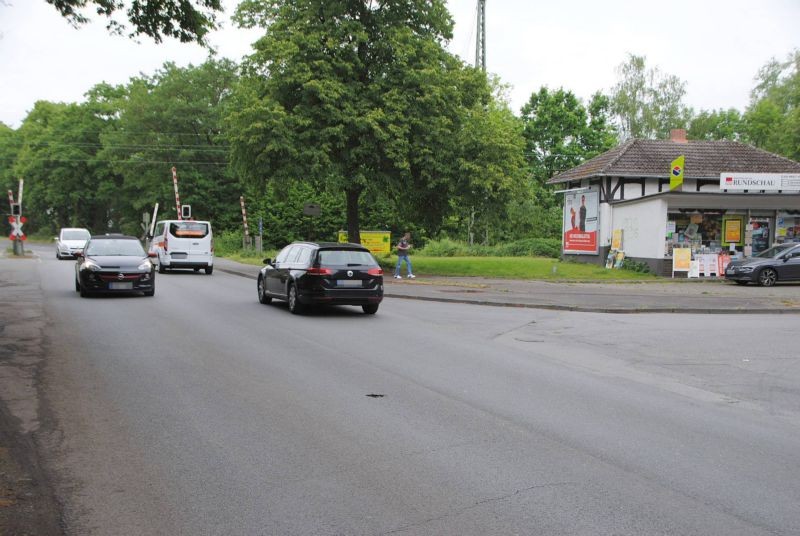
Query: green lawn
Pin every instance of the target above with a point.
(495, 267)
(512, 268)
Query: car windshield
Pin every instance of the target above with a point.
(346, 257)
(775, 251)
(115, 248)
(76, 234)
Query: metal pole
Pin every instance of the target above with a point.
(177, 198)
(480, 39)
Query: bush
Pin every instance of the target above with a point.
(530, 247)
(634, 266)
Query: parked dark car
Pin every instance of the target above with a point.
(322, 273)
(778, 263)
(114, 263)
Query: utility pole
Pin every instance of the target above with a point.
(480, 40)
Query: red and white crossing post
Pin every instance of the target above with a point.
(175, 185)
(244, 219)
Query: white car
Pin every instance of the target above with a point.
(71, 240)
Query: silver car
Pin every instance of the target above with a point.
(71, 240)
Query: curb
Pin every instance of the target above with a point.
(575, 308)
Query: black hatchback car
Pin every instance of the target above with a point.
(778, 263)
(322, 273)
(114, 263)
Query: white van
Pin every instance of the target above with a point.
(183, 244)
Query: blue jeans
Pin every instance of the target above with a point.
(400, 259)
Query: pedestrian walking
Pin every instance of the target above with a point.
(403, 246)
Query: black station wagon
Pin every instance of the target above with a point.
(322, 273)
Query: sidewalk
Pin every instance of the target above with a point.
(662, 296)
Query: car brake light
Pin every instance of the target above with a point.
(212, 245)
(165, 244)
(375, 271)
(314, 270)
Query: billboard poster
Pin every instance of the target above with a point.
(378, 242)
(581, 221)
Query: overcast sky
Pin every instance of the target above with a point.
(716, 46)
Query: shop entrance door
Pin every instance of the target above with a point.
(761, 228)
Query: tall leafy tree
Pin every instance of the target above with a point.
(185, 20)
(9, 147)
(560, 133)
(173, 118)
(356, 96)
(773, 117)
(647, 102)
(718, 125)
(66, 182)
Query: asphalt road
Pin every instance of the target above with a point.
(200, 411)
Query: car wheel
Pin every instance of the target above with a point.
(151, 292)
(77, 286)
(209, 270)
(295, 307)
(196, 270)
(767, 277)
(741, 283)
(58, 255)
(83, 291)
(262, 292)
(370, 309)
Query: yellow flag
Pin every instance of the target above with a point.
(676, 174)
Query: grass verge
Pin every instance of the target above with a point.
(491, 267)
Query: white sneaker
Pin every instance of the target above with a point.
(398, 277)
(412, 276)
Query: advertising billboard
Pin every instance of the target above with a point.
(581, 221)
(378, 242)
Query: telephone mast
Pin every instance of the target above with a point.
(480, 41)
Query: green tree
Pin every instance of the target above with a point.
(173, 118)
(560, 133)
(647, 102)
(359, 97)
(66, 183)
(185, 20)
(773, 117)
(718, 125)
(9, 147)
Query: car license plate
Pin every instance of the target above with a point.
(126, 285)
(349, 283)
(178, 255)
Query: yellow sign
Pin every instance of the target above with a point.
(681, 259)
(616, 239)
(378, 242)
(733, 231)
(676, 174)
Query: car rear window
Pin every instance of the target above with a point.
(188, 229)
(75, 235)
(346, 257)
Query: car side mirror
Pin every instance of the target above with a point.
(152, 254)
(78, 254)
(268, 261)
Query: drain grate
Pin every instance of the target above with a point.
(373, 395)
